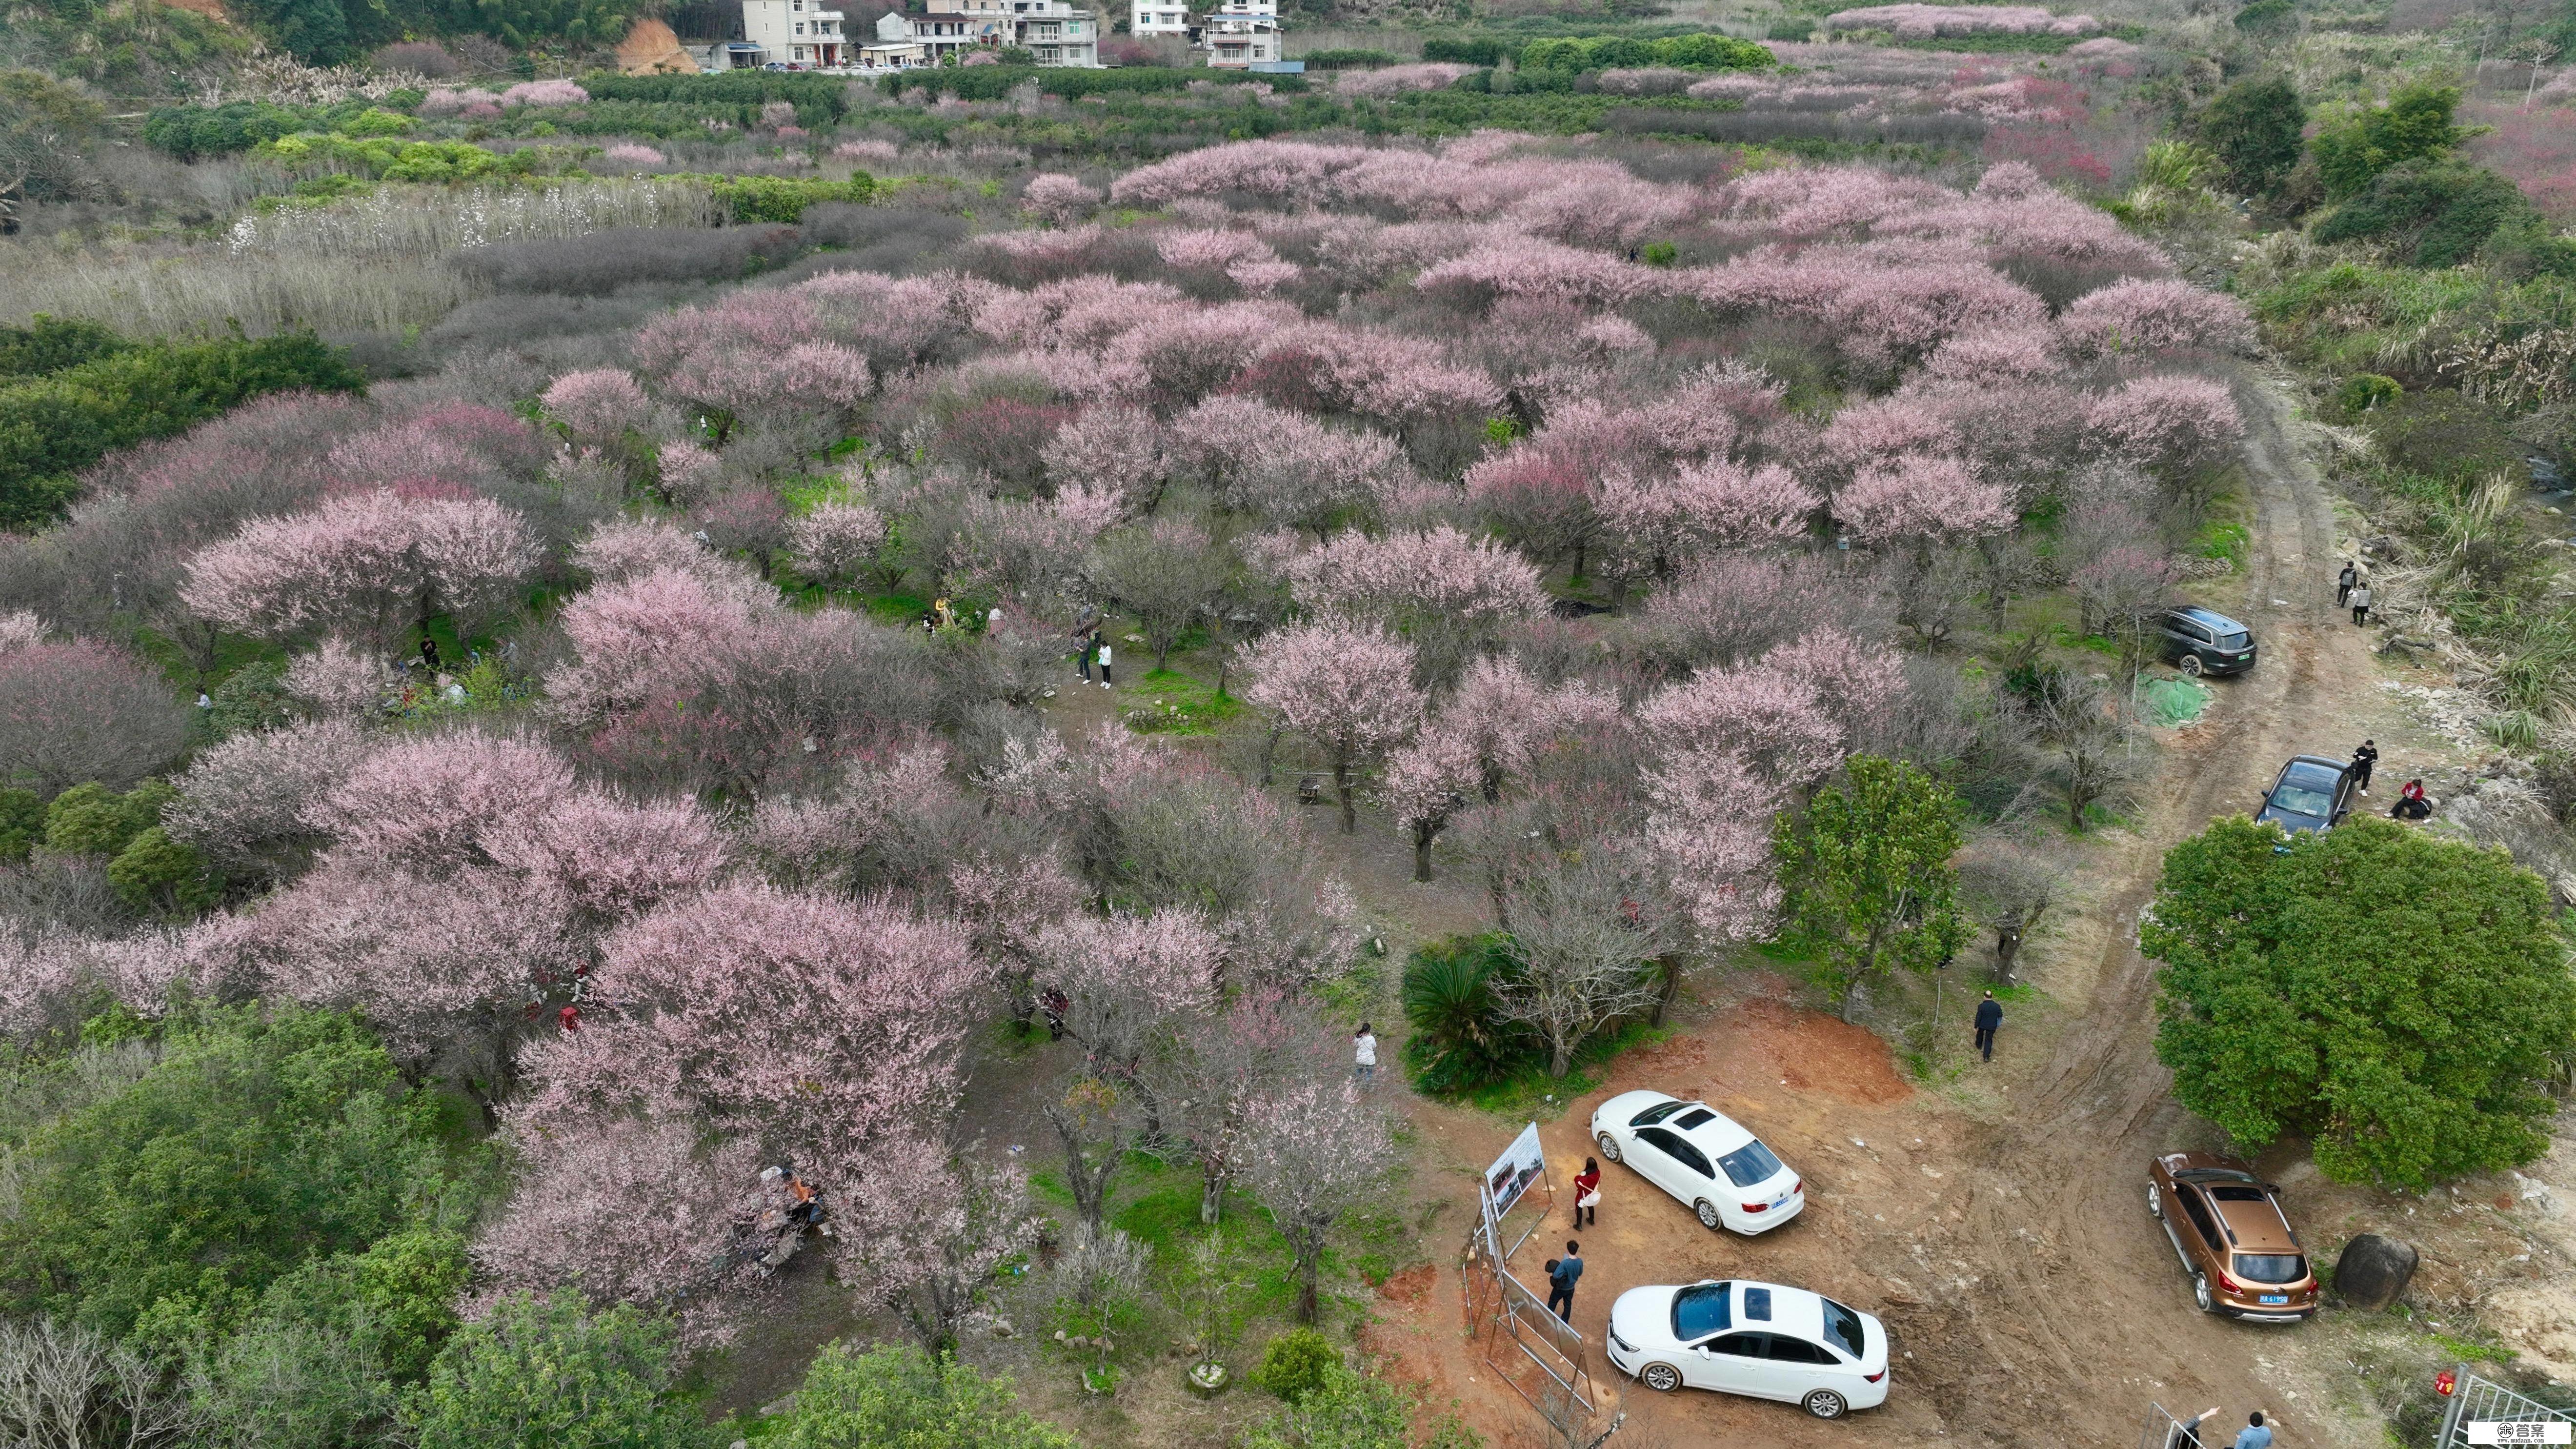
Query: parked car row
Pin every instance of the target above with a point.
(1772, 1341)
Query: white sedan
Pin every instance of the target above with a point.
(1702, 1157)
(1756, 1339)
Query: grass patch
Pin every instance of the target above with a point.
(1047, 1187)
(1166, 702)
(2019, 991)
(2224, 540)
(894, 608)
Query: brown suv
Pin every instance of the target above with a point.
(2235, 1242)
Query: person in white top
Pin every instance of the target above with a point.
(1364, 1055)
(1104, 664)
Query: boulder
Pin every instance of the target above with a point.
(2373, 1271)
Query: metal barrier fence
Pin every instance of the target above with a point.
(1540, 1355)
(2481, 1401)
(2164, 1431)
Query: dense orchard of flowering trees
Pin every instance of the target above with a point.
(689, 866)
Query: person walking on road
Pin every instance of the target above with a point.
(2256, 1434)
(1990, 1014)
(2344, 582)
(1364, 1055)
(2361, 603)
(1587, 1193)
(1561, 1280)
(2364, 760)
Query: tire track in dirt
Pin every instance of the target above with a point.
(2079, 1281)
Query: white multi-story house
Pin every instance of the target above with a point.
(1056, 32)
(937, 36)
(796, 32)
(1163, 18)
(1240, 33)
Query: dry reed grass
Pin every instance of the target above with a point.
(368, 264)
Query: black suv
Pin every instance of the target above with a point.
(2203, 641)
(2311, 793)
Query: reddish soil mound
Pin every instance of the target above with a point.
(1409, 1286)
(1819, 1053)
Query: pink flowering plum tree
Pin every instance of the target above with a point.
(1129, 981)
(1058, 199)
(824, 1029)
(936, 1261)
(81, 710)
(1348, 688)
(1921, 498)
(2172, 424)
(676, 1243)
(2150, 316)
(597, 404)
(1427, 783)
(1225, 1063)
(369, 565)
(1317, 1150)
(835, 541)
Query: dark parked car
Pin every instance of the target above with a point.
(2311, 793)
(2203, 641)
(2227, 1226)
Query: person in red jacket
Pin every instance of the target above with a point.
(1587, 1192)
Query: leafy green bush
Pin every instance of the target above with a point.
(2365, 391)
(2400, 998)
(2434, 213)
(193, 133)
(1689, 52)
(992, 82)
(1351, 1410)
(2266, 17)
(257, 1143)
(818, 99)
(1297, 1363)
(2255, 128)
(783, 198)
(53, 426)
(47, 345)
(1457, 1043)
(548, 1374)
(896, 1398)
(2444, 434)
(2353, 150)
(251, 698)
(22, 822)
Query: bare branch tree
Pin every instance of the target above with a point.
(2010, 886)
(1581, 938)
(1167, 574)
(1320, 1148)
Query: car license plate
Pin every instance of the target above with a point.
(2274, 1298)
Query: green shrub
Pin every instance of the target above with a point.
(2356, 149)
(1296, 1364)
(783, 198)
(251, 698)
(2255, 128)
(1458, 1044)
(1690, 52)
(2434, 213)
(2365, 391)
(1469, 52)
(51, 427)
(22, 822)
(548, 1374)
(2266, 17)
(1790, 30)
(2444, 434)
(818, 99)
(47, 345)
(94, 820)
(155, 873)
(893, 1397)
(260, 1141)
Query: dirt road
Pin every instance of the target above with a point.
(1999, 1228)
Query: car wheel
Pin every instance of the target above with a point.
(1824, 1404)
(1609, 1147)
(2200, 1293)
(2155, 1203)
(2191, 665)
(1708, 1217)
(1663, 1378)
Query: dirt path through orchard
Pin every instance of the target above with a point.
(1999, 1227)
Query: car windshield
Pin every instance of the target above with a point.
(1699, 1311)
(2296, 799)
(1750, 1164)
(2237, 639)
(1656, 1113)
(1843, 1329)
(2271, 1267)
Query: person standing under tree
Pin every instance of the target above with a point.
(2364, 760)
(1990, 1015)
(2361, 603)
(2344, 582)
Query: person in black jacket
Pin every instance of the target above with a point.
(1990, 1014)
(2364, 760)
(2343, 584)
(1562, 1274)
